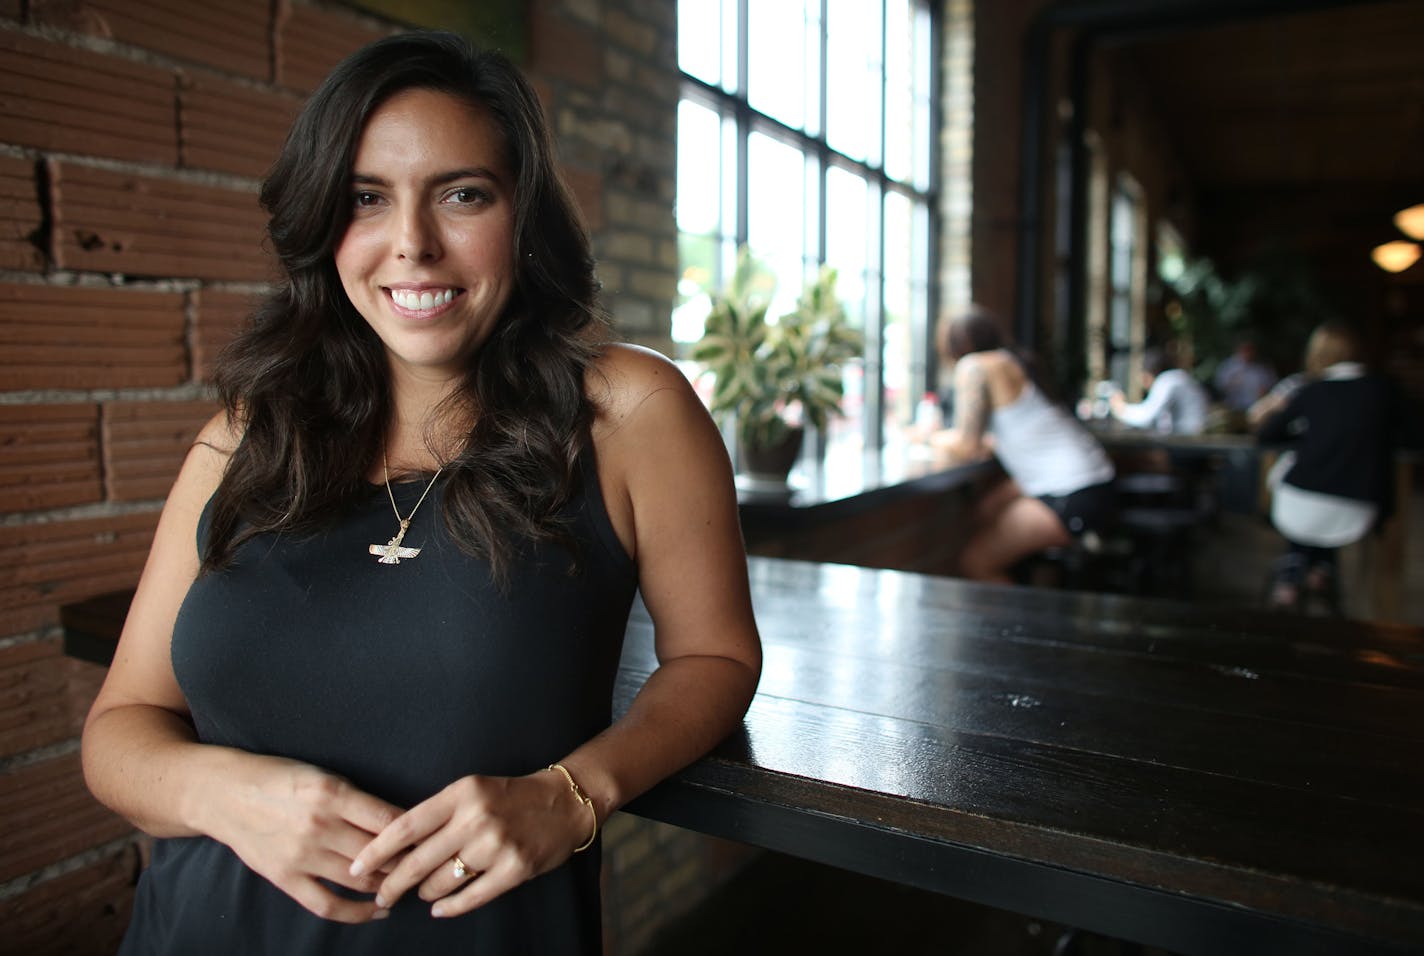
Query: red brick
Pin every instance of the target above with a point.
(35, 709)
(145, 225)
(50, 816)
(19, 215)
(87, 337)
(49, 456)
(232, 36)
(587, 188)
(560, 48)
(217, 317)
(145, 443)
(59, 97)
(51, 563)
(226, 126)
(82, 682)
(80, 913)
(310, 41)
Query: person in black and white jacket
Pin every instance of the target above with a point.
(1335, 483)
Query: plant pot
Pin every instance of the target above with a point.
(770, 463)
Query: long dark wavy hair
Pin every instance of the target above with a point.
(307, 382)
(976, 329)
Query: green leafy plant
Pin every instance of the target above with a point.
(1274, 298)
(767, 374)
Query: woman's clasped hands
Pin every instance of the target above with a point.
(302, 828)
(502, 831)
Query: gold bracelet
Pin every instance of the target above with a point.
(582, 798)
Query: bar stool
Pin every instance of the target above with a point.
(1153, 537)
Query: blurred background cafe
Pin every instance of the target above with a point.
(802, 185)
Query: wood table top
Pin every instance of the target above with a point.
(1203, 779)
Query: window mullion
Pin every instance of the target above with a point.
(744, 120)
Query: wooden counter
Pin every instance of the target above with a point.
(901, 509)
(1202, 780)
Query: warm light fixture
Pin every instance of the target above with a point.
(1411, 221)
(1395, 256)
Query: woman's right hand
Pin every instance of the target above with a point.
(297, 826)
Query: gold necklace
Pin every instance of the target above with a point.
(391, 552)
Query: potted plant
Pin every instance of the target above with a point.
(773, 378)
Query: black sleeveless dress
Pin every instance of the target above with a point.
(401, 678)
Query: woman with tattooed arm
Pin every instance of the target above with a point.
(1060, 481)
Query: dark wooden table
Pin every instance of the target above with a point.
(1202, 780)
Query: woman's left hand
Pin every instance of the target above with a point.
(505, 830)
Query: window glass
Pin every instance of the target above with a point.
(783, 61)
(850, 230)
(699, 202)
(900, 105)
(776, 214)
(699, 216)
(853, 79)
(699, 39)
(1123, 239)
(896, 347)
(908, 107)
(852, 242)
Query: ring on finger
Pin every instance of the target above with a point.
(459, 868)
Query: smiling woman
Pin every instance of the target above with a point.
(427, 257)
(355, 747)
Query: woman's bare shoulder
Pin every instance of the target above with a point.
(1003, 366)
(625, 376)
(222, 433)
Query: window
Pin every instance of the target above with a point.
(805, 132)
(1128, 285)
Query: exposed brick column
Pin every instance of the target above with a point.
(607, 72)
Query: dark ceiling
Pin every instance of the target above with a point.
(1324, 99)
(1301, 132)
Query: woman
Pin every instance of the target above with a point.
(1335, 482)
(363, 694)
(1060, 479)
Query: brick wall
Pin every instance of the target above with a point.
(607, 73)
(133, 138)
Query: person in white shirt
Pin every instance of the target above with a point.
(1176, 402)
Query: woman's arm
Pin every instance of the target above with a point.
(679, 520)
(1144, 413)
(288, 821)
(668, 485)
(968, 439)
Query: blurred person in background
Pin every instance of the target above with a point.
(1060, 480)
(1335, 483)
(1242, 379)
(1176, 403)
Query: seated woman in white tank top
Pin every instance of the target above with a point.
(1059, 477)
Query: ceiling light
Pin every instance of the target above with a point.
(1395, 256)
(1411, 221)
